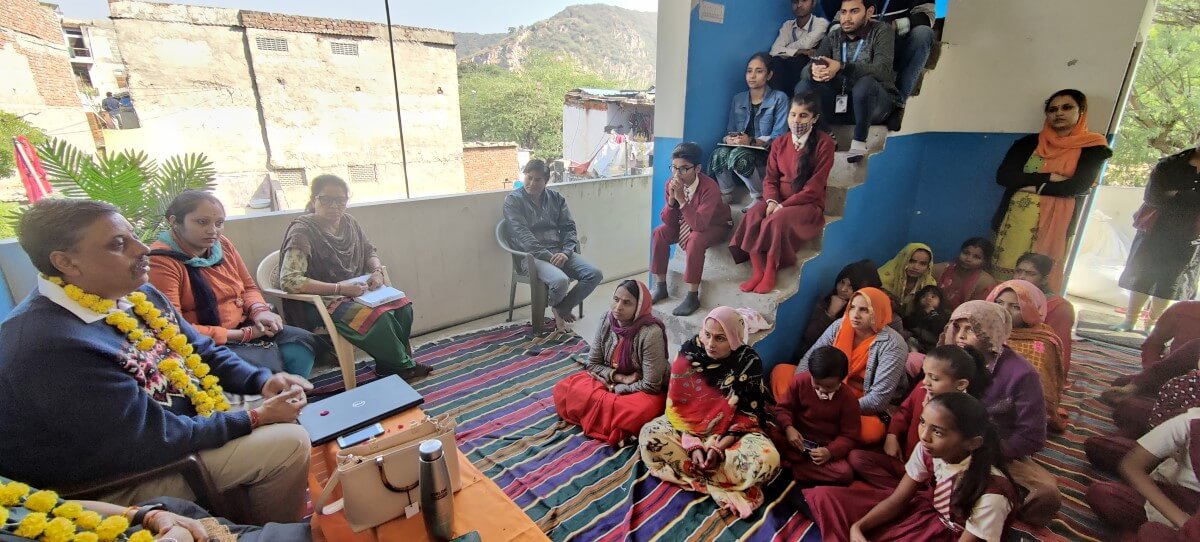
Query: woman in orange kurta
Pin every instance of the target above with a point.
(202, 274)
(876, 352)
(1046, 177)
(794, 194)
(1060, 313)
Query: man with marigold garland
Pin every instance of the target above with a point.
(100, 376)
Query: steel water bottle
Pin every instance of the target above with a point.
(437, 496)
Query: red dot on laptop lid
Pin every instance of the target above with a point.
(324, 412)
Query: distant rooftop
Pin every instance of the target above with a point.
(629, 97)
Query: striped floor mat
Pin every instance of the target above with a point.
(497, 383)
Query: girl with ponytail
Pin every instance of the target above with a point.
(792, 212)
(956, 485)
(947, 368)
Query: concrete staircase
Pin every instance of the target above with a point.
(722, 277)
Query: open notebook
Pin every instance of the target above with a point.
(375, 298)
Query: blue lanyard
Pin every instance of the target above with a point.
(856, 51)
(883, 11)
(806, 30)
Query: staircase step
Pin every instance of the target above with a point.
(727, 291)
(876, 136)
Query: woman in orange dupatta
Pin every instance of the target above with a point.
(1035, 341)
(877, 354)
(1046, 176)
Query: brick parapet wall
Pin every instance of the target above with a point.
(31, 18)
(297, 23)
(487, 167)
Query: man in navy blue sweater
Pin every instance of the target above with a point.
(81, 402)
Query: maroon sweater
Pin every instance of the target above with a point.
(834, 424)
(906, 420)
(704, 211)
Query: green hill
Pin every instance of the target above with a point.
(614, 43)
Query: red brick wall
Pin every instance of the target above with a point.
(296, 23)
(29, 17)
(487, 168)
(51, 71)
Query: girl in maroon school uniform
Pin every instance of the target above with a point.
(947, 368)
(794, 193)
(955, 485)
(818, 422)
(1162, 499)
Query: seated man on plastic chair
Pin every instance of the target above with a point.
(540, 223)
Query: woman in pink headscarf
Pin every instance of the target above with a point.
(624, 382)
(712, 438)
(1036, 341)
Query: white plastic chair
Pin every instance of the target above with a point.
(268, 281)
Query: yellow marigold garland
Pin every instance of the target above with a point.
(206, 398)
(64, 520)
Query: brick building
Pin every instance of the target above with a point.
(292, 97)
(490, 166)
(36, 81)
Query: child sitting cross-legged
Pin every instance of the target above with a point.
(947, 368)
(818, 422)
(955, 485)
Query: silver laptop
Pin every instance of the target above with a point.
(352, 410)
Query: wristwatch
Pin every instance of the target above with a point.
(140, 516)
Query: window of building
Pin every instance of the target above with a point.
(82, 75)
(343, 48)
(363, 174)
(290, 178)
(76, 44)
(271, 44)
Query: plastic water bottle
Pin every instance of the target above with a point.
(437, 495)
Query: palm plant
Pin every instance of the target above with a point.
(137, 185)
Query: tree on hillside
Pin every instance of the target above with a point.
(1163, 115)
(525, 106)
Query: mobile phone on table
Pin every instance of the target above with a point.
(472, 536)
(360, 436)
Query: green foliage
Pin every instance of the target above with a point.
(1162, 116)
(11, 126)
(138, 186)
(525, 106)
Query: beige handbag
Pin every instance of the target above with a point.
(380, 478)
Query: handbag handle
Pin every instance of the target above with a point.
(383, 478)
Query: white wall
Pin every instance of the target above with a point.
(583, 131)
(442, 250)
(674, 24)
(998, 65)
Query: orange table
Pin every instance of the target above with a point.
(479, 506)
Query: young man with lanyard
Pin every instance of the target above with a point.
(852, 71)
(797, 42)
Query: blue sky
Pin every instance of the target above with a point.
(485, 16)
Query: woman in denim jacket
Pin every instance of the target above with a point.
(756, 117)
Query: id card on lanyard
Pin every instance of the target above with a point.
(841, 103)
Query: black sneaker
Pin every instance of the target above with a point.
(415, 372)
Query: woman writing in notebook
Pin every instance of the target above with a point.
(326, 252)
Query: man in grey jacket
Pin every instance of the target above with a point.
(852, 72)
(540, 223)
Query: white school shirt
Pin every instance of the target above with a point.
(792, 38)
(1171, 442)
(991, 510)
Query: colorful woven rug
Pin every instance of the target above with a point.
(497, 383)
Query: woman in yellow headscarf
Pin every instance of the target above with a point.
(905, 275)
(1046, 177)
